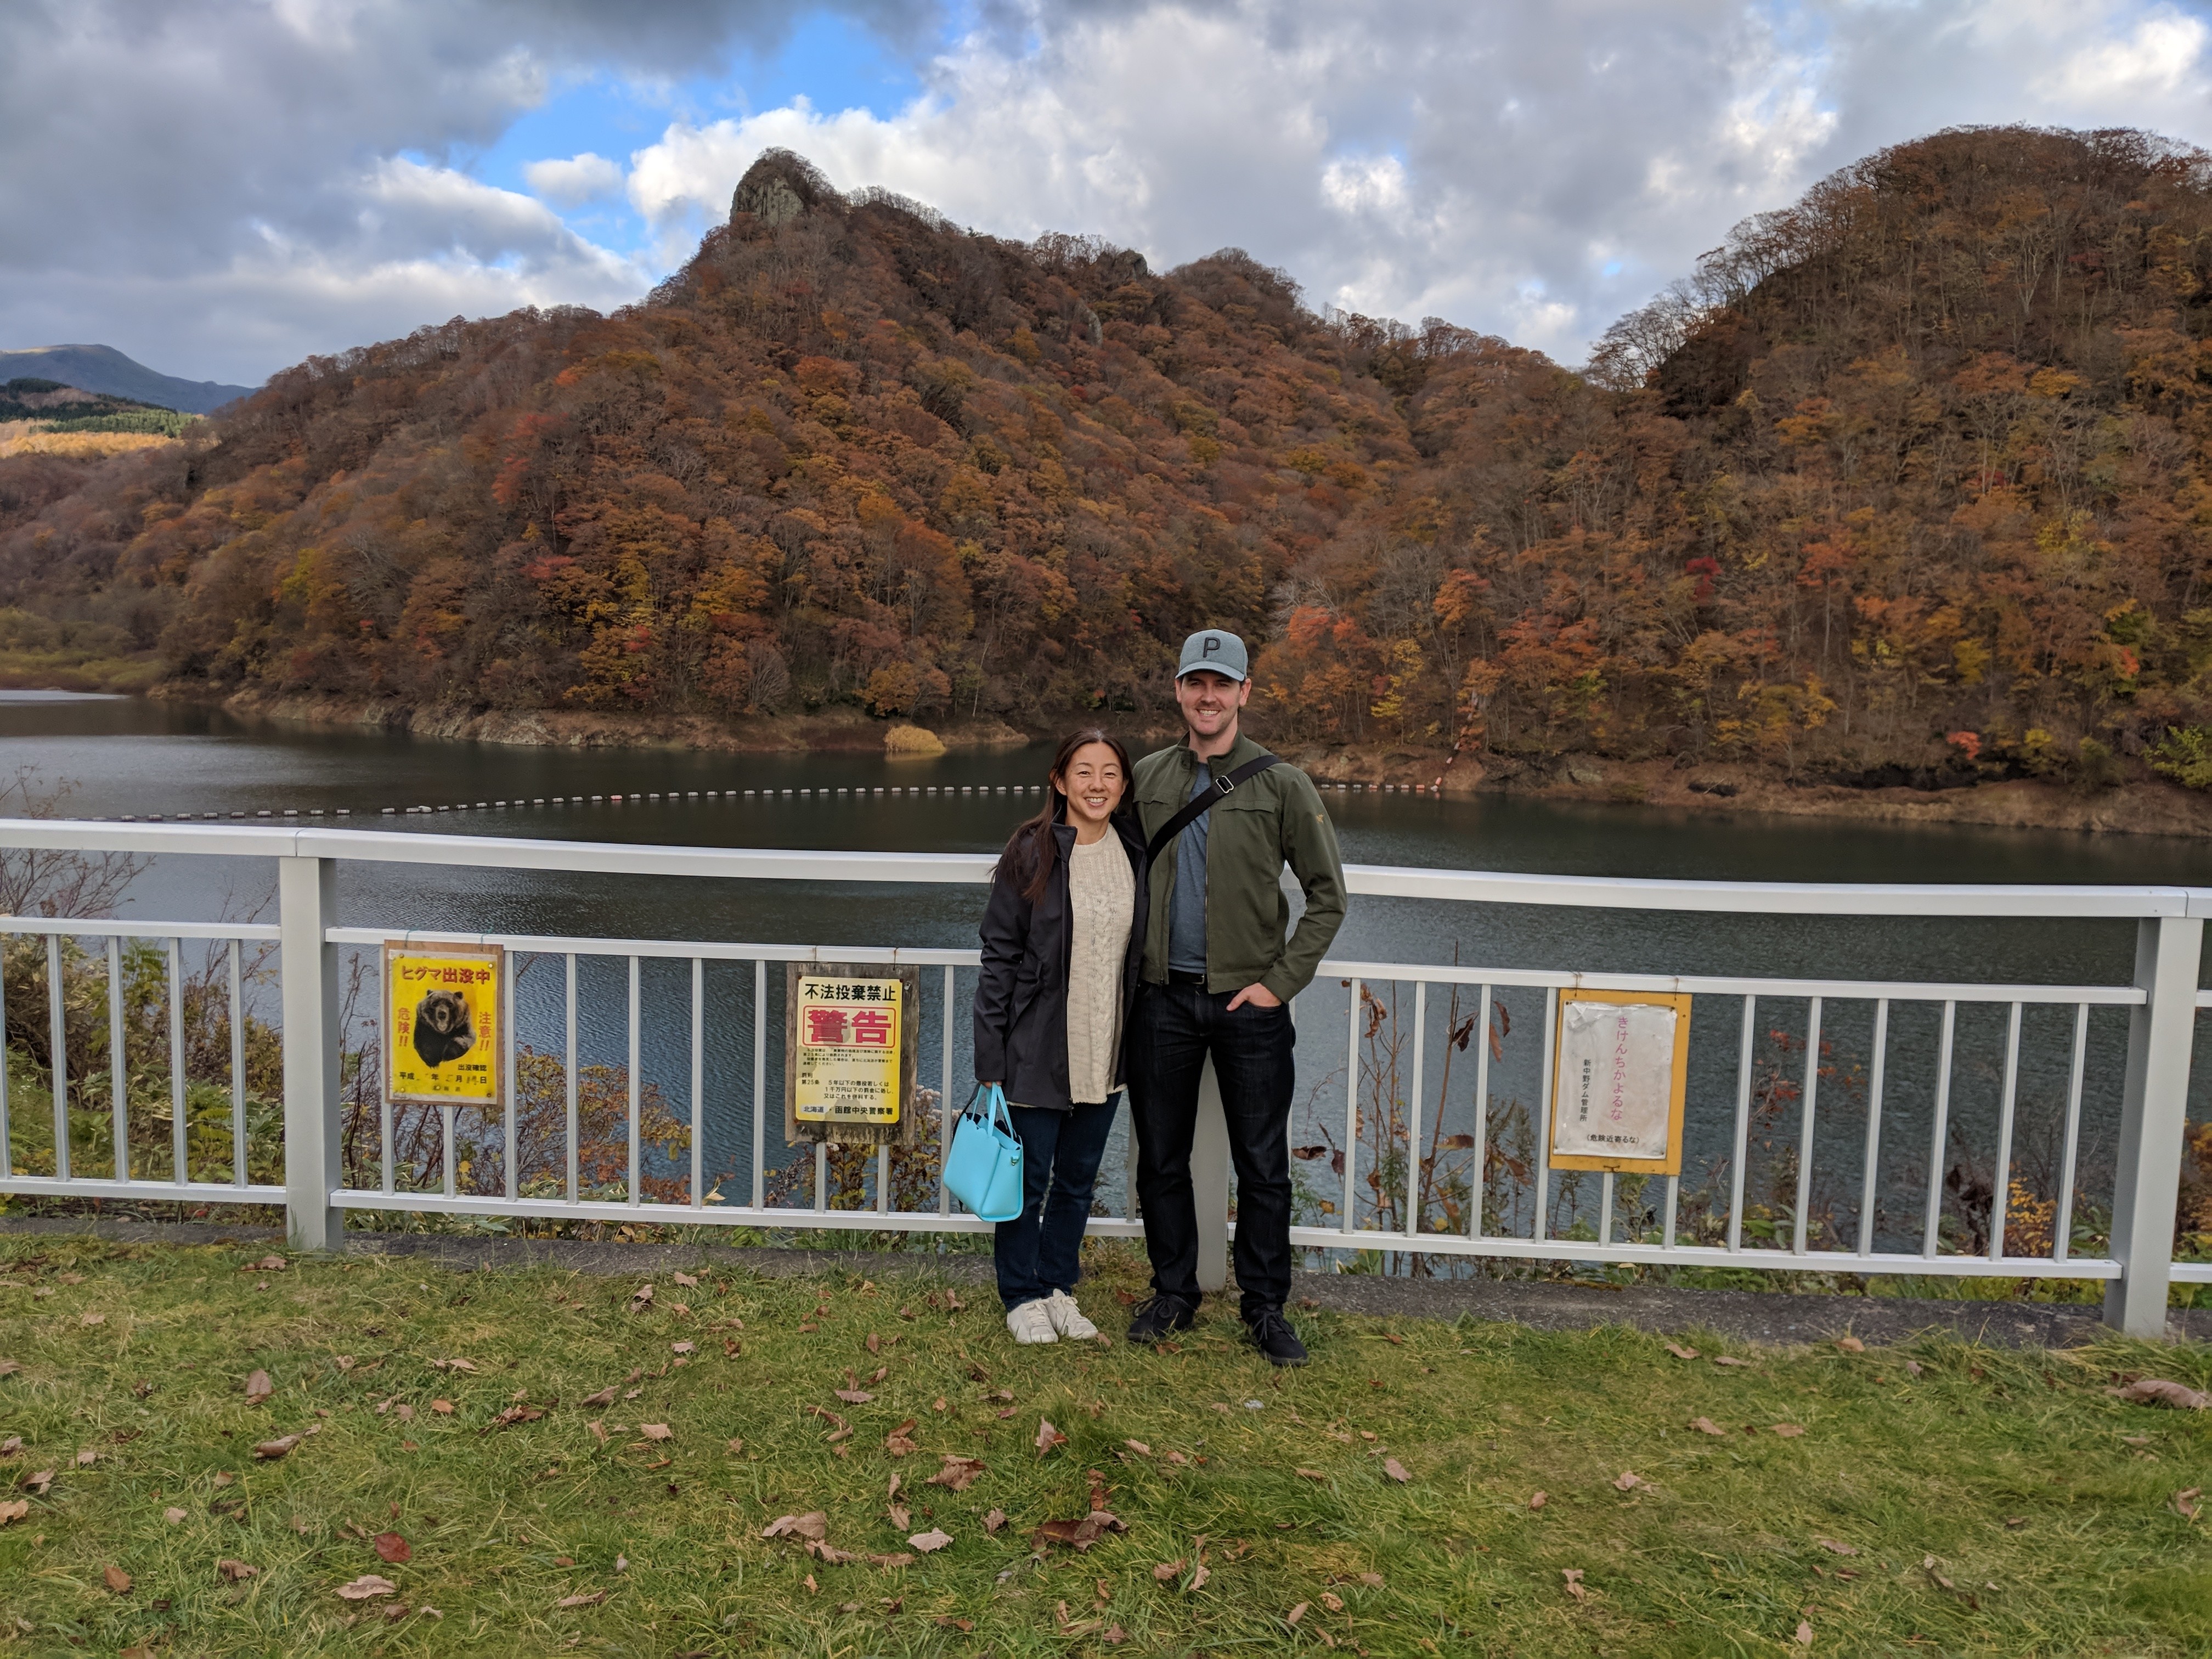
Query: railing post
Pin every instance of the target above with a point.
(1209, 1182)
(2154, 1110)
(306, 904)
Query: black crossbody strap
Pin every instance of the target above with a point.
(1194, 810)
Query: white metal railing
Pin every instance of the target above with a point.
(1385, 1117)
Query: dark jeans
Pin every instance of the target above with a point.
(1039, 1251)
(1174, 1029)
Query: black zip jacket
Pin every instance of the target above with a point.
(1021, 997)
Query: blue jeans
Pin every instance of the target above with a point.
(1040, 1250)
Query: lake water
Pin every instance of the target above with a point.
(122, 755)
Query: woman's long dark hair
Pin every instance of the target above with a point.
(1031, 849)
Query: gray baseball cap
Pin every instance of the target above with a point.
(1213, 649)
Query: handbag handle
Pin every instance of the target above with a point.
(992, 1106)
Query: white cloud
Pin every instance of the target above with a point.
(1516, 166)
(571, 183)
(222, 185)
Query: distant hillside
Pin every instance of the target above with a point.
(1911, 486)
(103, 368)
(51, 406)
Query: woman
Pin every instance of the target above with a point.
(1062, 939)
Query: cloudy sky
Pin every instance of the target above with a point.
(221, 188)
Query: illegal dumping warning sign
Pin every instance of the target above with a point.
(1619, 1081)
(442, 1036)
(850, 1053)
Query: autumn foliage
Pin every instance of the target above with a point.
(1906, 482)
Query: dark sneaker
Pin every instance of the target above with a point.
(1273, 1336)
(1157, 1315)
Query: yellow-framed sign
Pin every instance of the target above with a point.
(1619, 1078)
(852, 1050)
(442, 1024)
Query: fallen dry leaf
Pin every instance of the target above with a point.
(1574, 1577)
(1537, 1500)
(271, 1450)
(1681, 1352)
(2158, 1391)
(2185, 1501)
(1728, 1360)
(1048, 1437)
(117, 1580)
(682, 1347)
(453, 1365)
(1788, 1431)
(1310, 1474)
(897, 1444)
(259, 1388)
(1138, 1447)
(814, 1524)
(1835, 1547)
(598, 1596)
(855, 1396)
(1079, 1534)
(1928, 1566)
(1296, 1613)
(604, 1397)
(685, 1280)
(237, 1572)
(1113, 1636)
(11, 1446)
(1804, 1634)
(443, 1407)
(172, 1515)
(958, 1472)
(392, 1548)
(928, 1542)
(1395, 1469)
(1629, 1480)
(87, 1458)
(15, 1511)
(366, 1585)
(656, 1432)
(95, 1319)
(1707, 1425)
(599, 1431)
(1850, 1345)
(994, 1521)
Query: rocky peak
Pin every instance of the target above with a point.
(779, 187)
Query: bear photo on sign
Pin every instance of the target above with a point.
(442, 1030)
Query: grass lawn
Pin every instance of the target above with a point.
(1943, 1499)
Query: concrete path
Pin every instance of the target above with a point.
(1743, 1316)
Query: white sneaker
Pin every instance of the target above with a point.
(1031, 1322)
(1066, 1318)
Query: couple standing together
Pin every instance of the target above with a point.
(1137, 926)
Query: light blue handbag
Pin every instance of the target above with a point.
(983, 1169)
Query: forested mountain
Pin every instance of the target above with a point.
(1908, 482)
(104, 369)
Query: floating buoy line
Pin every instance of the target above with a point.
(632, 797)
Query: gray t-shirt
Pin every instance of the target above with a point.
(1187, 907)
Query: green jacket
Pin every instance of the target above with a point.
(1264, 823)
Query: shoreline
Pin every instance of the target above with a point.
(2144, 806)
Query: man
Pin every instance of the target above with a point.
(1216, 980)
